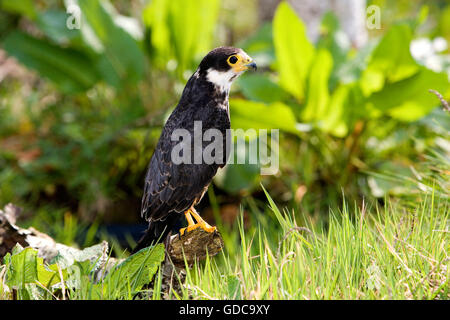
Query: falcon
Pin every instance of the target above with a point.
(173, 188)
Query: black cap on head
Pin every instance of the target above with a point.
(217, 59)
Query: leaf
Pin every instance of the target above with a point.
(318, 94)
(293, 50)
(22, 269)
(133, 273)
(53, 24)
(409, 99)
(181, 30)
(120, 58)
(192, 24)
(392, 56)
(48, 275)
(261, 88)
(391, 60)
(155, 17)
(69, 69)
(246, 114)
(281, 219)
(334, 120)
(7, 258)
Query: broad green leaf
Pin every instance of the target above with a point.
(293, 50)
(53, 24)
(192, 24)
(318, 94)
(48, 275)
(261, 88)
(22, 269)
(246, 114)
(181, 30)
(391, 60)
(372, 80)
(409, 99)
(392, 55)
(7, 258)
(334, 120)
(136, 271)
(69, 69)
(121, 59)
(155, 16)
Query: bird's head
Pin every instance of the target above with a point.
(223, 65)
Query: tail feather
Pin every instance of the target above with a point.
(156, 232)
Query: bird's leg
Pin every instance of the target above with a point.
(200, 222)
(191, 225)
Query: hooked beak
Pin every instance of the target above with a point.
(244, 63)
(251, 65)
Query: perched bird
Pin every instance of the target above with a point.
(172, 188)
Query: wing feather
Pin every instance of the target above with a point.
(174, 188)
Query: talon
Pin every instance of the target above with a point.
(203, 224)
(200, 223)
(209, 229)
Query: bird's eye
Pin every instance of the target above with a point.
(233, 59)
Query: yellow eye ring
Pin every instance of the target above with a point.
(232, 60)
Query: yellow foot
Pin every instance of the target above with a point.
(200, 223)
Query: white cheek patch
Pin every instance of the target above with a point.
(221, 79)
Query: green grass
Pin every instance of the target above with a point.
(387, 253)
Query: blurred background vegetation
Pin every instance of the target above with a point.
(81, 109)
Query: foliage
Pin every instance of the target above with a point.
(366, 253)
(68, 68)
(180, 31)
(74, 272)
(133, 273)
(289, 36)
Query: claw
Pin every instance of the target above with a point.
(200, 223)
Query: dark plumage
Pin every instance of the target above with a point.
(172, 189)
